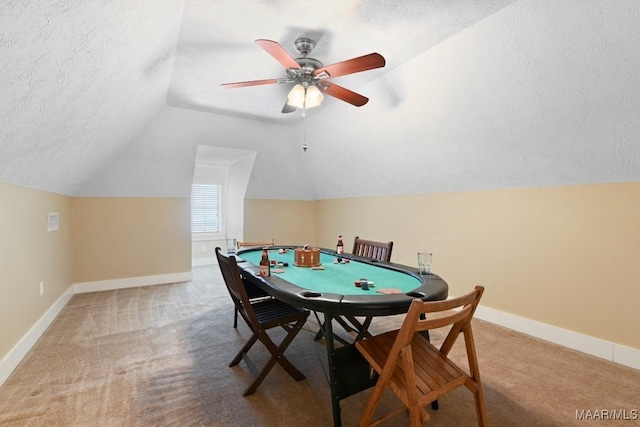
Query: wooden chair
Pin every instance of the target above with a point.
(415, 369)
(380, 251)
(262, 315)
(252, 290)
(241, 245)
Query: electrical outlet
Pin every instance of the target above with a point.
(41, 288)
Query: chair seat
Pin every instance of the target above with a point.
(272, 312)
(441, 371)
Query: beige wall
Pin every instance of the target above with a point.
(285, 221)
(30, 255)
(565, 256)
(116, 238)
(98, 239)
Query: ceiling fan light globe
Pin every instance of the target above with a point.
(313, 97)
(296, 96)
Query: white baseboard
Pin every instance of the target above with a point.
(131, 282)
(199, 262)
(17, 353)
(627, 356)
(584, 343)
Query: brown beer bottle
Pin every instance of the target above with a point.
(340, 246)
(265, 267)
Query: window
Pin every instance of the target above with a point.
(205, 208)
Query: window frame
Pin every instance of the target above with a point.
(203, 233)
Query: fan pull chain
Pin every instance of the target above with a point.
(304, 130)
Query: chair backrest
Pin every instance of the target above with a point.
(235, 285)
(425, 315)
(372, 249)
(415, 369)
(241, 245)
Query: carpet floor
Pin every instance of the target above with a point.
(158, 356)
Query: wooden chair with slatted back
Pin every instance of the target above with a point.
(416, 370)
(252, 290)
(262, 315)
(380, 251)
(256, 244)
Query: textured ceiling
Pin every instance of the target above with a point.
(80, 78)
(217, 44)
(112, 98)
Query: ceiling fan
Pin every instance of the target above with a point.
(310, 75)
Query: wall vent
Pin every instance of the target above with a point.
(52, 223)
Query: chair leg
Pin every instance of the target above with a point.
(480, 408)
(415, 411)
(475, 375)
(245, 348)
(374, 399)
(281, 359)
(434, 404)
(277, 356)
(235, 317)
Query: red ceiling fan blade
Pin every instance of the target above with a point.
(278, 52)
(343, 94)
(350, 66)
(250, 83)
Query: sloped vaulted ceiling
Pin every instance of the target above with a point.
(541, 93)
(80, 79)
(112, 98)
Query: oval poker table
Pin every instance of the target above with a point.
(332, 290)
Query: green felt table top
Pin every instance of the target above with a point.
(337, 278)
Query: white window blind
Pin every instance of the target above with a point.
(205, 208)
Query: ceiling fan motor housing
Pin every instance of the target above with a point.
(307, 65)
(304, 45)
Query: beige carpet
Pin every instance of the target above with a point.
(157, 356)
